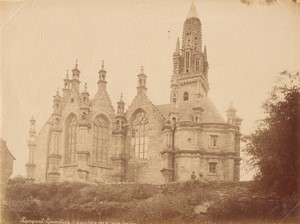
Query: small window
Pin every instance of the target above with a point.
(213, 140)
(186, 96)
(72, 100)
(174, 100)
(212, 167)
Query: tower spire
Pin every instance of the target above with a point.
(190, 62)
(193, 12)
(177, 50)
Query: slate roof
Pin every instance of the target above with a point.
(184, 109)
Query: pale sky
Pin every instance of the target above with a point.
(247, 47)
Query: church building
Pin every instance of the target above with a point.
(86, 139)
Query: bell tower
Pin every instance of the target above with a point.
(189, 80)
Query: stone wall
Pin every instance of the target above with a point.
(6, 169)
(146, 170)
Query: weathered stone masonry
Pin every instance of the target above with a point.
(85, 139)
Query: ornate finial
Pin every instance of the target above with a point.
(32, 127)
(231, 108)
(67, 74)
(76, 65)
(102, 65)
(85, 86)
(121, 97)
(57, 92)
(142, 69)
(32, 122)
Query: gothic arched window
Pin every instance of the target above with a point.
(186, 96)
(139, 140)
(71, 141)
(100, 139)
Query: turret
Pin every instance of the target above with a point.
(121, 105)
(66, 89)
(119, 136)
(120, 116)
(75, 75)
(102, 77)
(31, 143)
(67, 81)
(32, 132)
(85, 94)
(56, 103)
(232, 118)
(141, 88)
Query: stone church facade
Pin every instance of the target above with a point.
(85, 139)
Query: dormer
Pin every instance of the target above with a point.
(197, 114)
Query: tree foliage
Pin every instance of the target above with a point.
(274, 145)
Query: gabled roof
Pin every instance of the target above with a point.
(210, 114)
(3, 147)
(134, 103)
(102, 99)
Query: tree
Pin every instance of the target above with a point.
(274, 146)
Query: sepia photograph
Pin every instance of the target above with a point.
(150, 111)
